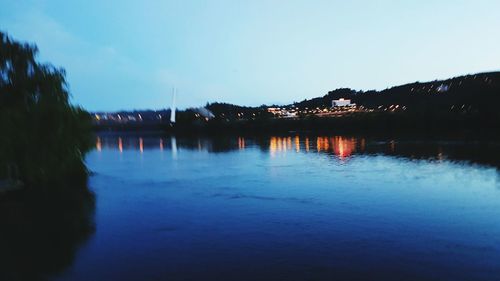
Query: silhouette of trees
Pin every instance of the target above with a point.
(43, 137)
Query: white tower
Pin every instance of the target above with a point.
(172, 108)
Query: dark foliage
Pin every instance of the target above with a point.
(231, 112)
(464, 94)
(458, 106)
(43, 137)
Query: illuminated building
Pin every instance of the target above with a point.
(342, 102)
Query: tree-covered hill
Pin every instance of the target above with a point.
(478, 92)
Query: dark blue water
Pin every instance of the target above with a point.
(291, 208)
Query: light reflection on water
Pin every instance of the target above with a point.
(292, 208)
(340, 146)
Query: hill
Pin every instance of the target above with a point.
(470, 93)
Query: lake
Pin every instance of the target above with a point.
(291, 207)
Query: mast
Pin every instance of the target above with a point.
(172, 108)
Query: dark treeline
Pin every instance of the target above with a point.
(470, 93)
(234, 112)
(462, 105)
(458, 106)
(372, 123)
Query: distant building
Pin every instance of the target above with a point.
(342, 103)
(274, 110)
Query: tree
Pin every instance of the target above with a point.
(43, 137)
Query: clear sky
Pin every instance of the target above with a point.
(128, 54)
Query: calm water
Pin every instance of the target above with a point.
(291, 208)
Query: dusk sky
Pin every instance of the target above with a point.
(129, 54)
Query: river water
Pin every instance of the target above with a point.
(291, 208)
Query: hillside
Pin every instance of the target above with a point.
(478, 92)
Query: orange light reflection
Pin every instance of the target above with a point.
(98, 144)
(343, 147)
(120, 145)
(241, 143)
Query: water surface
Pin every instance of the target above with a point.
(291, 208)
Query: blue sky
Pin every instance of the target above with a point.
(128, 54)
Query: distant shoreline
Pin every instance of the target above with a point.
(372, 124)
(462, 106)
